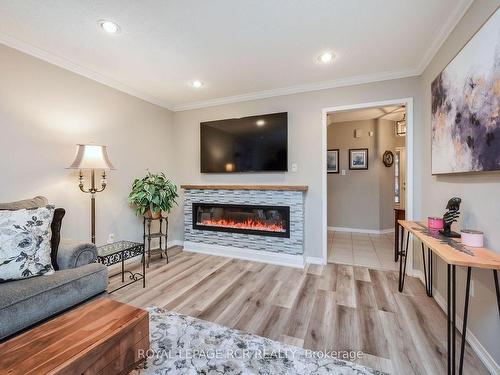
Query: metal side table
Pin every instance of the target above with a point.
(119, 252)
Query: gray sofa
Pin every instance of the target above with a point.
(28, 301)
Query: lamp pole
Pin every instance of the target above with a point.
(92, 190)
(92, 158)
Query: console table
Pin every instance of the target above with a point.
(454, 254)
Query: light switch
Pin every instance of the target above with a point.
(343, 172)
(295, 167)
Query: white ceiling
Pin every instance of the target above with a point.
(391, 113)
(240, 49)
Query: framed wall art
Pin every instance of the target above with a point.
(358, 158)
(465, 135)
(332, 161)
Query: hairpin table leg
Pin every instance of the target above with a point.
(495, 276)
(453, 316)
(430, 270)
(425, 270)
(464, 326)
(448, 305)
(402, 268)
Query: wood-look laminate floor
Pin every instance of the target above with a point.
(332, 307)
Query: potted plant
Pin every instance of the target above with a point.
(152, 195)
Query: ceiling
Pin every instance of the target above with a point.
(239, 49)
(391, 113)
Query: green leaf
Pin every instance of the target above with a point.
(153, 191)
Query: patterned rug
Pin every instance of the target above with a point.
(184, 345)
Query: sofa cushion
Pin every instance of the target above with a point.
(25, 243)
(25, 302)
(36, 202)
(56, 235)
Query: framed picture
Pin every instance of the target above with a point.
(358, 158)
(332, 161)
(465, 135)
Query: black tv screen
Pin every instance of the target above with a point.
(248, 144)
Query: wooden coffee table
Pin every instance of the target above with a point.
(100, 337)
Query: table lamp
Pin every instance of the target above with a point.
(92, 157)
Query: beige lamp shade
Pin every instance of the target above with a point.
(91, 157)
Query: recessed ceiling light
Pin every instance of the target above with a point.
(196, 84)
(261, 123)
(326, 57)
(109, 26)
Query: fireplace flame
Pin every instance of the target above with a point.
(247, 224)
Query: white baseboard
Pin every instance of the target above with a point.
(174, 243)
(474, 343)
(358, 230)
(315, 260)
(280, 259)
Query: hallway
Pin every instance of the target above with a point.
(362, 249)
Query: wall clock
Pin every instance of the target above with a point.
(388, 158)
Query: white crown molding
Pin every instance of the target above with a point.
(78, 69)
(443, 34)
(298, 89)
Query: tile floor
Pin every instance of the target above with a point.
(361, 249)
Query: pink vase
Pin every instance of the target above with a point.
(435, 223)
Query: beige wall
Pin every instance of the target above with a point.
(305, 148)
(362, 199)
(479, 192)
(45, 111)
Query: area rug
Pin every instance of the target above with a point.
(184, 345)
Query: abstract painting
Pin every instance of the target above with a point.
(466, 106)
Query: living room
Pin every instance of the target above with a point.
(69, 77)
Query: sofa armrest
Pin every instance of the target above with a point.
(73, 254)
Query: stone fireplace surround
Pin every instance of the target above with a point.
(275, 250)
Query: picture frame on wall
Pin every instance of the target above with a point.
(358, 158)
(465, 134)
(332, 161)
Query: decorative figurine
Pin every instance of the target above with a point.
(450, 217)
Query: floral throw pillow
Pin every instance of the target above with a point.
(25, 243)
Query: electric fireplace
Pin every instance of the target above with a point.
(241, 218)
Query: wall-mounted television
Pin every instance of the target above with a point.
(248, 144)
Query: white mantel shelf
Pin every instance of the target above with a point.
(247, 187)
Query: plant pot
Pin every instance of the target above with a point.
(152, 215)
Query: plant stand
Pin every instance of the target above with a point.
(162, 234)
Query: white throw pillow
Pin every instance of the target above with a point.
(25, 243)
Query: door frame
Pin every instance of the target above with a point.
(406, 156)
(408, 102)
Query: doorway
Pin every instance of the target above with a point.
(347, 222)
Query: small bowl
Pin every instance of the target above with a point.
(435, 223)
(472, 238)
